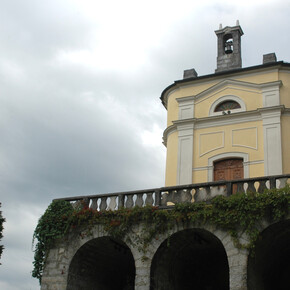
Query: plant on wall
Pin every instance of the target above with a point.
(235, 214)
(51, 226)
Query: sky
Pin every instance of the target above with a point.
(80, 82)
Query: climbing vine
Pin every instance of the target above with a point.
(2, 220)
(240, 213)
(51, 226)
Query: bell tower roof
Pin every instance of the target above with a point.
(229, 47)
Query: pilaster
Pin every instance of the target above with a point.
(272, 140)
(185, 153)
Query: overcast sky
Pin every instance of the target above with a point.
(80, 82)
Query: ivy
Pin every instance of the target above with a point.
(2, 220)
(51, 226)
(239, 213)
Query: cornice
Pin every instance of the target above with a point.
(280, 65)
(232, 82)
(224, 120)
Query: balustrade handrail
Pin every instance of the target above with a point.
(177, 193)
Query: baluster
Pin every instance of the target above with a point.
(94, 204)
(201, 194)
(240, 187)
(113, 203)
(171, 196)
(139, 200)
(176, 198)
(121, 201)
(262, 186)
(103, 205)
(229, 187)
(157, 197)
(149, 198)
(164, 198)
(129, 201)
(251, 187)
(218, 190)
(283, 182)
(86, 202)
(272, 182)
(185, 196)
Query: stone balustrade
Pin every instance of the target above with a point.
(167, 196)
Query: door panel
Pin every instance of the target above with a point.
(229, 169)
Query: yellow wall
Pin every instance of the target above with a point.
(252, 97)
(285, 128)
(244, 137)
(285, 89)
(171, 159)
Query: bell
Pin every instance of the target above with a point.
(228, 47)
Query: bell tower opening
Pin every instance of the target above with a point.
(229, 47)
(228, 43)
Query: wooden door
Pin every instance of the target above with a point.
(229, 169)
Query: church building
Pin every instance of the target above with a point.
(232, 124)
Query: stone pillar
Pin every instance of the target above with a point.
(56, 270)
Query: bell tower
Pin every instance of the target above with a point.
(229, 47)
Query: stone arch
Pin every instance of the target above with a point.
(102, 263)
(268, 266)
(187, 259)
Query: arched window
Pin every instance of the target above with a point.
(226, 106)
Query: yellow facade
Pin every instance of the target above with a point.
(258, 132)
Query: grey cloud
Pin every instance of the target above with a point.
(67, 129)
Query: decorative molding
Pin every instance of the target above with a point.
(169, 130)
(227, 98)
(223, 120)
(242, 145)
(229, 119)
(229, 82)
(227, 155)
(215, 148)
(272, 140)
(213, 79)
(185, 108)
(185, 153)
(253, 162)
(271, 94)
(286, 112)
(247, 163)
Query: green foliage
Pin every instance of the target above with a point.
(240, 213)
(2, 220)
(51, 226)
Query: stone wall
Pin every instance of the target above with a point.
(59, 264)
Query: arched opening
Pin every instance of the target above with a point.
(102, 264)
(190, 259)
(269, 265)
(228, 44)
(227, 106)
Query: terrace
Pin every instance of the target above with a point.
(164, 197)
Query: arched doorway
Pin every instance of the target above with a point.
(269, 264)
(102, 264)
(228, 169)
(190, 259)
